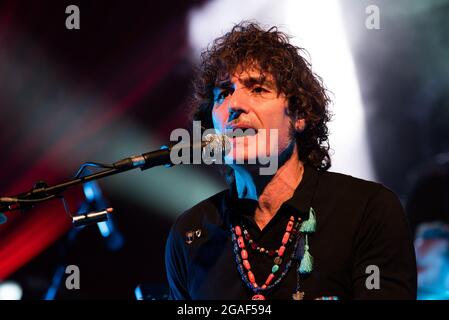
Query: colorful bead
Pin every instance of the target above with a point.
(285, 238)
(281, 251)
(251, 277)
(246, 265)
(238, 231)
(258, 297)
(244, 254)
(289, 226)
(278, 260)
(240, 242)
(292, 218)
(327, 298)
(269, 279)
(275, 268)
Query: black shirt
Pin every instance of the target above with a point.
(359, 224)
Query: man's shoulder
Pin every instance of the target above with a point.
(352, 186)
(359, 199)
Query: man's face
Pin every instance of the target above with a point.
(250, 100)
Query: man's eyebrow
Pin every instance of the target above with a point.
(223, 84)
(247, 82)
(251, 81)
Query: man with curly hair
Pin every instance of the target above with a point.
(301, 232)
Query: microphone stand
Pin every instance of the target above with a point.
(95, 201)
(42, 192)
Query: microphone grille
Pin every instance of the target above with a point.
(220, 141)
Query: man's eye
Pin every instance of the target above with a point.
(221, 95)
(259, 89)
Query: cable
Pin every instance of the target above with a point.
(17, 200)
(92, 164)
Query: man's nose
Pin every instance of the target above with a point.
(239, 102)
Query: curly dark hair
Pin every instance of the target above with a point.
(249, 44)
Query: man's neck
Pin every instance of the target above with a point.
(269, 191)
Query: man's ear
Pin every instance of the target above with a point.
(300, 125)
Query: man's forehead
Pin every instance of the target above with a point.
(245, 75)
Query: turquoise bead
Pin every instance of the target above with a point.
(275, 268)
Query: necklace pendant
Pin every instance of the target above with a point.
(258, 297)
(298, 295)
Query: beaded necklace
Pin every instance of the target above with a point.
(291, 232)
(292, 228)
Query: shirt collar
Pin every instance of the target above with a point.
(301, 200)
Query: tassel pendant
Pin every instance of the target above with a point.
(309, 226)
(306, 265)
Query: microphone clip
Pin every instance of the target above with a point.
(91, 217)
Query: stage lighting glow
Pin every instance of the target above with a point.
(78, 108)
(173, 190)
(443, 295)
(10, 290)
(89, 191)
(318, 27)
(215, 18)
(104, 228)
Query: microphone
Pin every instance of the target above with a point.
(163, 155)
